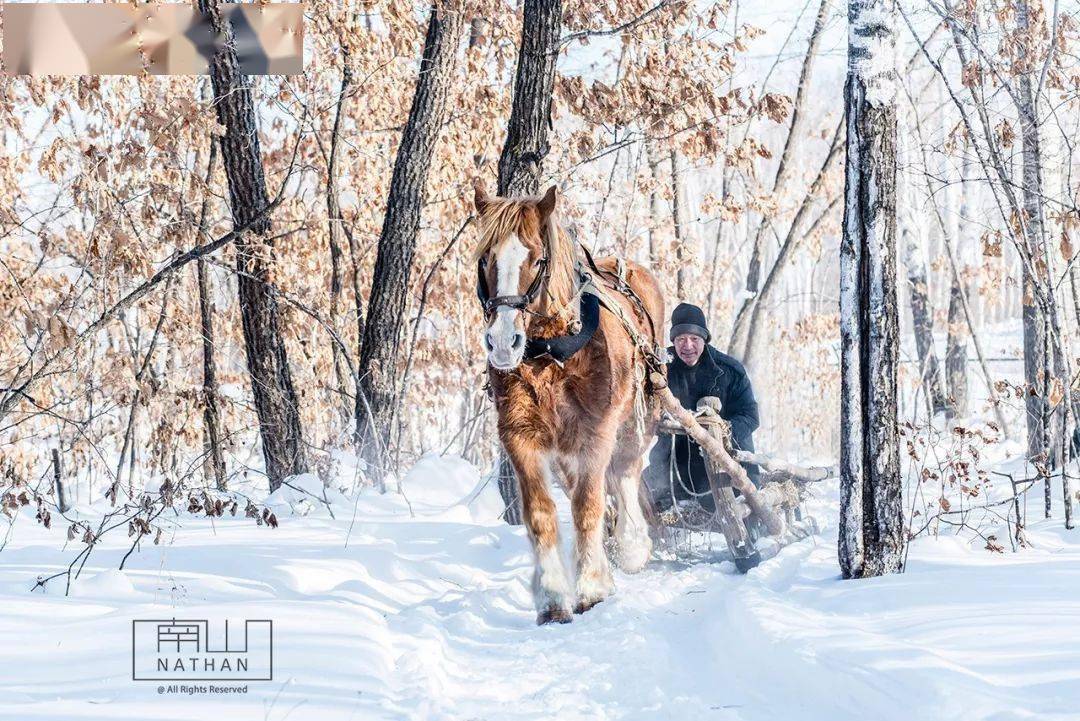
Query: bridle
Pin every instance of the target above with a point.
(518, 302)
(589, 297)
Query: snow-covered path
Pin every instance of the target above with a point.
(431, 618)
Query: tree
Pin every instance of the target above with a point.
(215, 460)
(527, 144)
(922, 320)
(744, 324)
(871, 539)
(522, 158)
(275, 398)
(956, 358)
(377, 368)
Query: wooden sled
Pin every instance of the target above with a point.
(775, 507)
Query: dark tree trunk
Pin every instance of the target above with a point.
(61, 493)
(268, 364)
(526, 147)
(956, 354)
(922, 320)
(871, 534)
(336, 233)
(377, 369)
(214, 461)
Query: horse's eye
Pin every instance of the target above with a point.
(538, 262)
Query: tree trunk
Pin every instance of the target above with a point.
(654, 206)
(214, 459)
(871, 533)
(271, 380)
(377, 369)
(922, 320)
(956, 360)
(526, 145)
(1053, 363)
(526, 148)
(336, 234)
(956, 355)
(62, 502)
(678, 210)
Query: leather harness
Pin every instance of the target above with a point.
(562, 348)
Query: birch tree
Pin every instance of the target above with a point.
(871, 539)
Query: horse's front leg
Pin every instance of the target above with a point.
(594, 581)
(552, 592)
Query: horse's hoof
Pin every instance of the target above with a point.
(553, 615)
(633, 553)
(585, 605)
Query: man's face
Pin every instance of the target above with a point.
(689, 347)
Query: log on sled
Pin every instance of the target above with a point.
(774, 506)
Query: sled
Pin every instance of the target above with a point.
(773, 510)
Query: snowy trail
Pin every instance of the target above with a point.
(432, 618)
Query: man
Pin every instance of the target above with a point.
(697, 370)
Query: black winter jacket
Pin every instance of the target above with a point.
(715, 374)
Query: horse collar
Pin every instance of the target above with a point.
(562, 348)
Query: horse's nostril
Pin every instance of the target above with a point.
(519, 338)
(488, 343)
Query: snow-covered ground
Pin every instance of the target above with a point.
(379, 614)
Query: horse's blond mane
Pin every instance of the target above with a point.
(503, 216)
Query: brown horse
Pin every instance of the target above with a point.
(584, 421)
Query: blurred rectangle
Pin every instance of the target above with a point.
(127, 39)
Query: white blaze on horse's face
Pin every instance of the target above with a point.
(505, 337)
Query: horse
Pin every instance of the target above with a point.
(569, 387)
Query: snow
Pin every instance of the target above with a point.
(422, 610)
(872, 48)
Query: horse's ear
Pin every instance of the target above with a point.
(547, 204)
(480, 196)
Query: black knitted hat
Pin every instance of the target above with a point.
(687, 318)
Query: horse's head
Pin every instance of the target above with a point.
(518, 249)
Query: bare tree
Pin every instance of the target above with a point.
(215, 459)
(377, 369)
(336, 225)
(678, 213)
(526, 147)
(275, 398)
(956, 357)
(922, 317)
(1042, 333)
(738, 342)
(871, 538)
(526, 144)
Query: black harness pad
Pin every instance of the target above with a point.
(562, 348)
